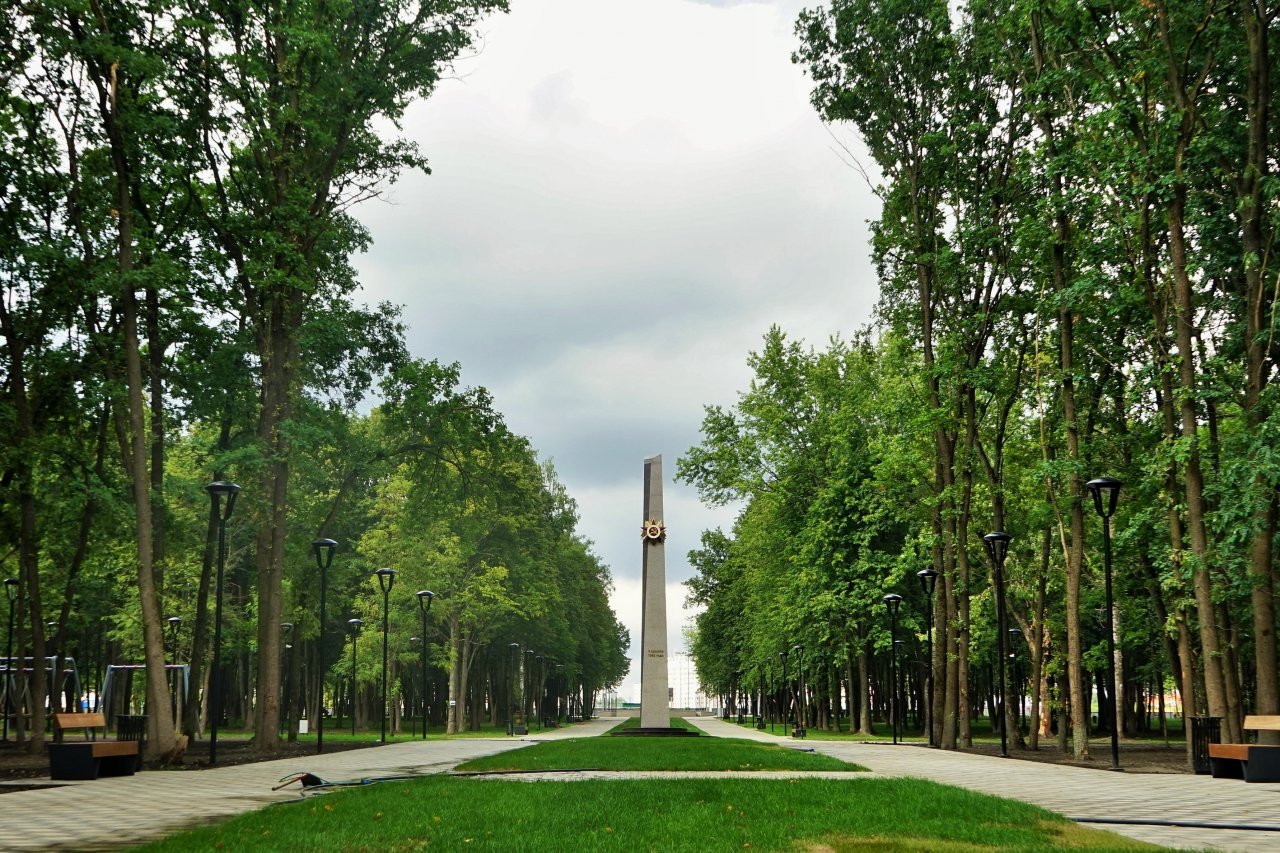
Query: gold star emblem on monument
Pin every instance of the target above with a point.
(653, 530)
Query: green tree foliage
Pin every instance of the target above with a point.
(179, 307)
(1076, 205)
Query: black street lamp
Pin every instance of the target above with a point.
(893, 601)
(541, 682)
(425, 597)
(173, 622)
(786, 687)
(997, 545)
(900, 686)
(1015, 634)
(928, 581)
(11, 591)
(217, 491)
(286, 631)
(760, 700)
(1109, 488)
(413, 641)
(511, 704)
(386, 580)
(800, 729)
(354, 624)
(323, 549)
(526, 707)
(561, 687)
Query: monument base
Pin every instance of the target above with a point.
(654, 731)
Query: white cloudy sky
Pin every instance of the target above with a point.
(625, 195)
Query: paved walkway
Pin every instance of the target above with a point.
(111, 813)
(114, 812)
(1073, 791)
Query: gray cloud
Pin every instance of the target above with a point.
(610, 229)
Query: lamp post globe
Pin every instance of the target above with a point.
(892, 602)
(222, 496)
(425, 597)
(386, 580)
(1105, 492)
(354, 625)
(323, 550)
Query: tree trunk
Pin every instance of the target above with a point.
(1193, 479)
(1257, 19)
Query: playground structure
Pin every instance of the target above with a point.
(116, 697)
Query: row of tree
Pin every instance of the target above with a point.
(176, 180)
(1075, 258)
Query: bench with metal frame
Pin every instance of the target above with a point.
(91, 757)
(1249, 761)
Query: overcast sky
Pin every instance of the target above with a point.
(625, 195)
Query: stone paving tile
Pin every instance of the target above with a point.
(116, 812)
(1073, 791)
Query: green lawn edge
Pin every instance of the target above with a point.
(694, 815)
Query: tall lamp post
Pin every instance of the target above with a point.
(541, 682)
(561, 688)
(1105, 492)
(222, 509)
(323, 549)
(425, 597)
(11, 592)
(900, 686)
(386, 580)
(354, 624)
(760, 700)
(893, 601)
(801, 728)
(786, 688)
(997, 545)
(511, 705)
(1015, 634)
(173, 622)
(928, 581)
(413, 641)
(527, 706)
(286, 630)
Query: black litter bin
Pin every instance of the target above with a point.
(133, 727)
(1204, 731)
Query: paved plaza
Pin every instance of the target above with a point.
(112, 813)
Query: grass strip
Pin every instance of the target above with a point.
(694, 815)
(658, 753)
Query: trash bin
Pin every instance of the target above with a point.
(1204, 731)
(133, 727)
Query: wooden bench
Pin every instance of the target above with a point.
(1249, 761)
(91, 757)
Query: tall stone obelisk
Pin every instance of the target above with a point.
(655, 705)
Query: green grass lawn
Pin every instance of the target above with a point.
(696, 815)
(655, 753)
